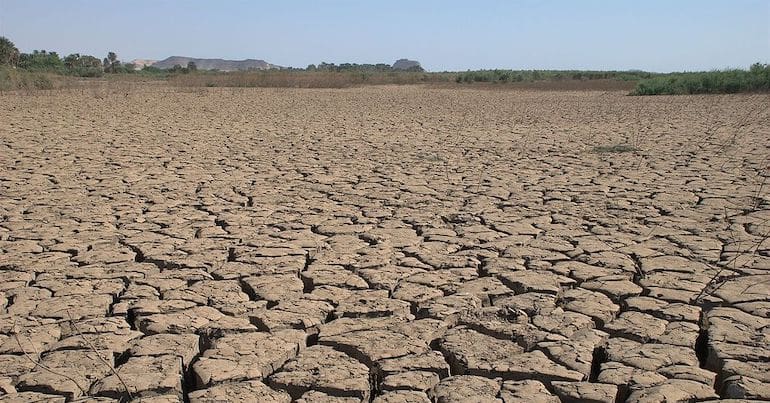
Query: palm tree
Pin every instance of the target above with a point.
(8, 53)
(111, 62)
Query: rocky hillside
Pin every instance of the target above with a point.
(215, 64)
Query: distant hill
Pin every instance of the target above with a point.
(406, 64)
(215, 64)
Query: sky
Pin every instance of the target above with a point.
(444, 35)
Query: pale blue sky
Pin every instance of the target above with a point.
(654, 35)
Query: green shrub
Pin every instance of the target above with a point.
(515, 76)
(756, 79)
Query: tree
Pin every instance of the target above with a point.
(111, 62)
(41, 60)
(178, 69)
(83, 65)
(89, 61)
(759, 68)
(71, 61)
(9, 54)
(76, 60)
(327, 66)
(191, 66)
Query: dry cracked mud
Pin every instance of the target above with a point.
(386, 244)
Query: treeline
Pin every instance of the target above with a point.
(176, 69)
(41, 68)
(756, 79)
(74, 64)
(517, 76)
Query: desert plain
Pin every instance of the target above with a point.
(385, 244)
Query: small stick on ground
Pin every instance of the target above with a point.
(38, 364)
(99, 355)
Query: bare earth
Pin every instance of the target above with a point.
(394, 244)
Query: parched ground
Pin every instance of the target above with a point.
(394, 244)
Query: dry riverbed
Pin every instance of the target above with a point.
(387, 244)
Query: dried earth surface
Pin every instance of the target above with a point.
(386, 244)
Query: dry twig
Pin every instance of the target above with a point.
(99, 355)
(38, 364)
